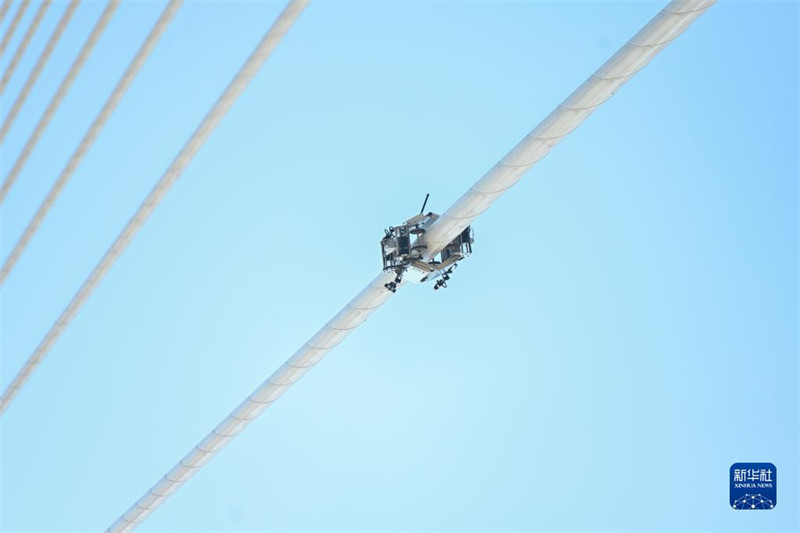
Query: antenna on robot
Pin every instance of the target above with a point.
(424, 203)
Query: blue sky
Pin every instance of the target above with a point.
(626, 329)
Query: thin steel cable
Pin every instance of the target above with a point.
(170, 176)
(4, 9)
(37, 69)
(58, 97)
(357, 310)
(13, 26)
(23, 45)
(91, 135)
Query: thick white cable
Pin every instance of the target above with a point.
(37, 69)
(89, 138)
(182, 160)
(130, 229)
(666, 26)
(13, 26)
(4, 9)
(23, 45)
(630, 59)
(354, 314)
(58, 97)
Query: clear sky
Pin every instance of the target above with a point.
(626, 329)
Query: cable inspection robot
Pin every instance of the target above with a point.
(403, 252)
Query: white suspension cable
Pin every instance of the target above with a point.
(37, 69)
(89, 138)
(334, 332)
(184, 157)
(66, 316)
(631, 58)
(58, 97)
(13, 26)
(23, 45)
(4, 9)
